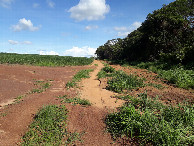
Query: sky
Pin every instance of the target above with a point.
(68, 27)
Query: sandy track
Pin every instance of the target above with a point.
(99, 97)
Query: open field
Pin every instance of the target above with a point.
(17, 83)
(43, 60)
(28, 88)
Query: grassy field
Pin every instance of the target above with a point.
(43, 60)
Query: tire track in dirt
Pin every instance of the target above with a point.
(99, 97)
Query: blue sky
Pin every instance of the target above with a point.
(68, 27)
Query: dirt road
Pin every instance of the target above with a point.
(99, 97)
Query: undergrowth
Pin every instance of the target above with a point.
(179, 75)
(152, 122)
(78, 77)
(119, 80)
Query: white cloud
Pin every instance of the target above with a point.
(120, 28)
(136, 24)
(6, 3)
(80, 52)
(48, 53)
(26, 42)
(89, 10)
(36, 5)
(89, 27)
(50, 3)
(13, 42)
(124, 31)
(24, 24)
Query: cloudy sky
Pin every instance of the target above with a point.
(68, 27)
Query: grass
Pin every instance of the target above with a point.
(75, 100)
(158, 86)
(42, 86)
(78, 77)
(48, 128)
(119, 80)
(152, 122)
(18, 99)
(107, 71)
(43, 60)
(181, 76)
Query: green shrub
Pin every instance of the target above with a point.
(158, 124)
(182, 78)
(175, 74)
(108, 69)
(121, 81)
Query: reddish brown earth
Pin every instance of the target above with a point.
(168, 94)
(16, 80)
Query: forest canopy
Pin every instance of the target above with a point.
(167, 34)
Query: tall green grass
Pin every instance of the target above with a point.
(152, 122)
(43, 60)
(181, 76)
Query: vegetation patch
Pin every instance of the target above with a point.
(18, 99)
(48, 128)
(107, 71)
(42, 86)
(152, 122)
(43, 60)
(78, 77)
(158, 86)
(75, 100)
(178, 75)
(121, 81)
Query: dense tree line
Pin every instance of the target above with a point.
(166, 34)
